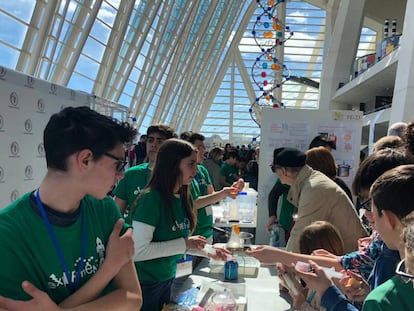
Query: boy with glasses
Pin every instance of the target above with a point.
(62, 245)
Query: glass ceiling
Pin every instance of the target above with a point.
(185, 63)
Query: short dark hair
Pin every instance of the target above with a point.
(393, 191)
(191, 136)
(375, 165)
(321, 141)
(77, 128)
(164, 130)
(233, 154)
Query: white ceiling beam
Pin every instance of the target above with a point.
(120, 76)
(35, 39)
(113, 47)
(224, 65)
(76, 34)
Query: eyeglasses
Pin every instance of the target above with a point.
(120, 165)
(400, 271)
(366, 205)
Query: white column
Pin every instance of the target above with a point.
(340, 49)
(402, 103)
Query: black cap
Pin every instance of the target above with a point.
(288, 157)
(321, 141)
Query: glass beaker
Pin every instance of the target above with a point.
(222, 301)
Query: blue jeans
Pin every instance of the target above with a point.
(155, 294)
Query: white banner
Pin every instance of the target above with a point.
(296, 128)
(26, 106)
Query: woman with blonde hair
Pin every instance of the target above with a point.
(321, 159)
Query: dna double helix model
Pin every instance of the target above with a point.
(268, 72)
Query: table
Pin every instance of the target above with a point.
(262, 289)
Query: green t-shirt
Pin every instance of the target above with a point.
(205, 214)
(135, 180)
(394, 294)
(28, 253)
(287, 211)
(229, 171)
(168, 225)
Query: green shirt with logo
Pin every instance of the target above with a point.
(170, 223)
(28, 253)
(135, 180)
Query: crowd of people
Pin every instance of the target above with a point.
(377, 273)
(93, 237)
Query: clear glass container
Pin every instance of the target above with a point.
(222, 301)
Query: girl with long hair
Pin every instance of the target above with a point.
(164, 221)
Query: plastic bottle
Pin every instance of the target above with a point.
(234, 211)
(275, 234)
(247, 205)
(235, 242)
(231, 270)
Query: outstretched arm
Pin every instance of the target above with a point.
(270, 254)
(214, 197)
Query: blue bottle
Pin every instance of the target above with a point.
(231, 270)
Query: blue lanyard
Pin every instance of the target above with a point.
(72, 285)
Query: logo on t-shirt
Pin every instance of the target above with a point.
(137, 191)
(90, 266)
(183, 226)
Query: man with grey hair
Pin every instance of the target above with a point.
(397, 129)
(316, 197)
